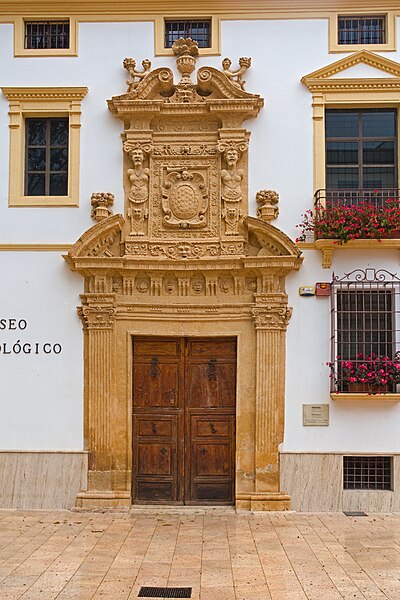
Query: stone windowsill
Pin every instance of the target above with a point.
(328, 247)
(363, 397)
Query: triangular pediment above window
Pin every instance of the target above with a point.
(362, 69)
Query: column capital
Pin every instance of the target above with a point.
(271, 317)
(96, 317)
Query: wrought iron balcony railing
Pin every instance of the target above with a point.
(355, 197)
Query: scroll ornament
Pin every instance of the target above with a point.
(272, 317)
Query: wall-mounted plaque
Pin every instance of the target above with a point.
(315, 415)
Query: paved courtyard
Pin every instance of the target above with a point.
(219, 554)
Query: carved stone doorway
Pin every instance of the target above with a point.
(184, 398)
(185, 259)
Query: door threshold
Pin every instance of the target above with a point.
(182, 510)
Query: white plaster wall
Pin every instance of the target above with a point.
(41, 397)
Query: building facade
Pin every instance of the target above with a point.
(165, 326)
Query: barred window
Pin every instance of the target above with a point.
(41, 35)
(367, 473)
(46, 162)
(365, 330)
(362, 29)
(198, 30)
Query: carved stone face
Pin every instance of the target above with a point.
(232, 156)
(197, 287)
(184, 250)
(146, 64)
(231, 213)
(137, 156)
(137, 213)
(226, 63)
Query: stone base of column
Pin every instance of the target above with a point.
(91, 500)
(263, 501)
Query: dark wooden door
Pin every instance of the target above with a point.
(184, 395)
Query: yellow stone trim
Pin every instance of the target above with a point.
(19, 36)
(43, 102)
(159, 31)
(390, 44)
(328, 247)
(35, 247)
(365, 397)
(142, 7)
(357, 92)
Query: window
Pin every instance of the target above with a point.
(205, 30)
(46, 34)
(367, 473)
(198, 30)
(367, 29)
(352, 32)
(361, 153)
(35, 36)
(44, 145)
(365, 316)
(46, 157)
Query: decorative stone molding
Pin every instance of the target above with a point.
(267, 205)
(96, 317)
(272, 317)
(197, 269)
(101, 202)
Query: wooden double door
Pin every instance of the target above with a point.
(184, 397)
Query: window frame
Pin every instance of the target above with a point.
(19, 37)
(329, 92)
(362, 166)
(45, 103)
(388, 46)
(159, 34)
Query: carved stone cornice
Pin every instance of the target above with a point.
(96, 317)
(272, 317)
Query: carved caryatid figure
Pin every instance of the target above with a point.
(130, 66)
(138, 192)
(231, 185)
(236, 77)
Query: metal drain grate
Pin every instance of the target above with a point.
(165, 592)
(355, 513)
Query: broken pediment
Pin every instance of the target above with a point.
(363, 69)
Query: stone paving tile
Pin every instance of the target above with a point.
(61, 555)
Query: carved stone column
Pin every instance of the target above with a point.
(271, 319)
(98, 325)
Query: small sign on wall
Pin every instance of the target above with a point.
(315, 415)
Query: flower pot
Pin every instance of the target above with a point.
(365, 388)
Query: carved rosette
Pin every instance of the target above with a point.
(96, 317)
(272, 317)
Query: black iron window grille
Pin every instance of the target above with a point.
(198, 30)
(359, 29)
(365, 333)
(367, 473)
(361, 151)
(46, 156)
(42, 35)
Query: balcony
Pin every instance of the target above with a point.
(352, 219)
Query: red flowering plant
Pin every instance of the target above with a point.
(343, 222)
(376, 373)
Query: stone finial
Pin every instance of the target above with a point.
(130, 65)
(236, 77)
(101, 201)
(185, 47)
(267, 205)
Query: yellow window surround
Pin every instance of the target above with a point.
(43, 102)
(330, 91)
(159, 34)
(19, 37)
(389, 45)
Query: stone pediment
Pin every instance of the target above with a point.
(363, 69)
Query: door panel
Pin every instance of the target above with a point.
(184, 396)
